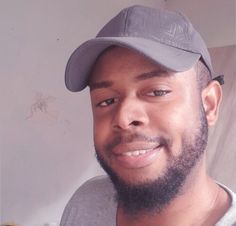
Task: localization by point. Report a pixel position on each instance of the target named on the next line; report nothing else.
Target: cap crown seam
(126, 19)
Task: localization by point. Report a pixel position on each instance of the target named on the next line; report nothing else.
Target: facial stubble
(153, 196)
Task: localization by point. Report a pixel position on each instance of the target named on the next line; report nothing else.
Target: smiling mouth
(137, 152)
(137, 158)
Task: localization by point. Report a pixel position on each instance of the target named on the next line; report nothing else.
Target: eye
(160, 92)
(107, 102)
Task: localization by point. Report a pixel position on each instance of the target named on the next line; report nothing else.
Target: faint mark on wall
(44, 111)
(42, 104)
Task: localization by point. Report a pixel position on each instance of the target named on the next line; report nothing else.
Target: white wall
(46, 131)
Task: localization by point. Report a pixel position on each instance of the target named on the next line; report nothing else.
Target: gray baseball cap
(168, 38)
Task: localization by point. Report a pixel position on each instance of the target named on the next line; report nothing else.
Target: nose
(129, 114)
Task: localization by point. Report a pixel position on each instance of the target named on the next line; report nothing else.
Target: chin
(137, 176)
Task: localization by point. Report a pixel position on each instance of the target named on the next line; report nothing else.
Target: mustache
(137, 137)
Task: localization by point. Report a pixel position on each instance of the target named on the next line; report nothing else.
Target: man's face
(147, 121)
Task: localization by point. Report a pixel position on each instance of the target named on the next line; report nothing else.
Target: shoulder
(95, 188)
(230, 216)
(92, 204)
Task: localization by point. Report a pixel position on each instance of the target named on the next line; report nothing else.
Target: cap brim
(83, 58)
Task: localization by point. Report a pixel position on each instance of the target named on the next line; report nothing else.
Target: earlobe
(211, 99)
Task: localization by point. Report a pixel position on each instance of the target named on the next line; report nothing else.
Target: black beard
(153, 196)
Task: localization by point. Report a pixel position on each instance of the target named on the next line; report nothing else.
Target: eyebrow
(141, 77)
(100, 85)
(151, 74)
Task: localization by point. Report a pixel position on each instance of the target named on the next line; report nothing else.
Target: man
(153, 98)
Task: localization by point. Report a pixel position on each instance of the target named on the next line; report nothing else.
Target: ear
(211, 99)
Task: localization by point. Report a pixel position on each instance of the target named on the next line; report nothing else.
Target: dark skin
(129, 94)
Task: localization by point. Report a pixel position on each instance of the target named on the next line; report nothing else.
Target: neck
(200, 202)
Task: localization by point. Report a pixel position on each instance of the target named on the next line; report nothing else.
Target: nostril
(135, 123)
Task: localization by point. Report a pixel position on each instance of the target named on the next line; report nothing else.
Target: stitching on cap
(126, 19)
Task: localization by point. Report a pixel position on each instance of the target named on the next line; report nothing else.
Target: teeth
(142, 152)
(136, 153)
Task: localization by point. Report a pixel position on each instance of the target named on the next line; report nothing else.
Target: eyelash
(159, 92)
(107, 102)
(110, 101)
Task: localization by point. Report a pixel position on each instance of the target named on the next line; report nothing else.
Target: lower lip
(139, 161)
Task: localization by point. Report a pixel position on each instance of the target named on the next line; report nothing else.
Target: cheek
(170, 117)
(101, 131)
(175, 122)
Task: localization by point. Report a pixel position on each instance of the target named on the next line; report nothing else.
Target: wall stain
(41, 104)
